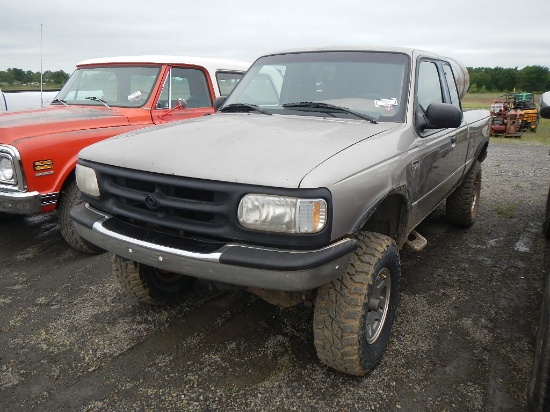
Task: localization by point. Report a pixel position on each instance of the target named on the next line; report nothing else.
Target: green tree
(481, 77)
(533, 78)
(504, 78)
(6, 77)
(59, 77)
(17, 74)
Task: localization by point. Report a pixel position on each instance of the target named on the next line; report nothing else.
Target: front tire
(8, 217)
(462, 204)
(147, 284)
(354, 313)
(70, 197)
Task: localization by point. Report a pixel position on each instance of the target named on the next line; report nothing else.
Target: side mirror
(182, 103)
(218, 102)
(442, 116)
(545, 105)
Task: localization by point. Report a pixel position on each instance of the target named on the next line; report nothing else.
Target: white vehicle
(3, 105)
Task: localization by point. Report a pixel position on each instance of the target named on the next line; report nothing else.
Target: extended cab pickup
(103, 97)
(303, 187)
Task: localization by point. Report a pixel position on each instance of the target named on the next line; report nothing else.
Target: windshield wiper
(243, 107)
(319, 105)
(59, 101)
(97, 99)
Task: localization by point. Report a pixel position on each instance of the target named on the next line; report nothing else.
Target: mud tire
(344, 307)
(463, 203)
(546, 224)
(9, 217)
(538, 395)
(70, 197)
(147, 284)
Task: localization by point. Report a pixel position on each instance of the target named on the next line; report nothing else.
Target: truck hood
(56, 119)
(253, 149)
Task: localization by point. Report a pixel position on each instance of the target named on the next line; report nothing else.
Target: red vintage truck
(103, 98)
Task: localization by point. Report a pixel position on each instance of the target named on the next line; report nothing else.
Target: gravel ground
(463, 340)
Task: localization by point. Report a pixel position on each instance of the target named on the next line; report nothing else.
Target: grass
(483, 101)
(505, 210)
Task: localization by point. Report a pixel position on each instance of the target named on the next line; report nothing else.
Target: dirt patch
(463, 340)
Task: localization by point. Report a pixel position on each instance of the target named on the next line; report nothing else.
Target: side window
(188, 84)
(227, 81)
(429, 86)
(453, 91)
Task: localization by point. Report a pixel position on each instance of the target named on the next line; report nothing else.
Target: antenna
(41, 98)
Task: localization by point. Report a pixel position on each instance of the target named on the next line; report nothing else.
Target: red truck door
(187, 85)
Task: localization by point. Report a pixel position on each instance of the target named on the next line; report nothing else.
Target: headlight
(86, 180)
(282, 214)
(7, 174)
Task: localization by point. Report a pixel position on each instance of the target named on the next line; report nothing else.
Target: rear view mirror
(442, 116)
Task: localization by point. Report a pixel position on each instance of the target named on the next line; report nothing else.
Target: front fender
(388, 215)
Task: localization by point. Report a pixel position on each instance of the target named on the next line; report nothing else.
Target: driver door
(183, 85)
(439, 166)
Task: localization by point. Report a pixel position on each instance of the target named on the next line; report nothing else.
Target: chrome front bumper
(232, 263)
(21, 203)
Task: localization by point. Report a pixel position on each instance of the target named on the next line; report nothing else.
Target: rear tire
(462, 204)
(70, 197)
(147, 284)
(546, 224)
(354, 313)
(538, 396)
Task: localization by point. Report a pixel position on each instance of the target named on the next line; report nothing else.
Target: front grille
(190, 208)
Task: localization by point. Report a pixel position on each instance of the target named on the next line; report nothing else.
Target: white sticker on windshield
(135, 97)
(387, 103)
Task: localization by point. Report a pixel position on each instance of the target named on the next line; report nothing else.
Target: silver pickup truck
(302, 188)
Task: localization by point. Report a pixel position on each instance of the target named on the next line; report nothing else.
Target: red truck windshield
(127, 86)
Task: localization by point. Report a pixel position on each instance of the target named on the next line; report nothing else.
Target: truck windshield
(374, 84)
(127, 86)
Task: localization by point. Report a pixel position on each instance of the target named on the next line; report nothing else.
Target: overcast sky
(479, 33)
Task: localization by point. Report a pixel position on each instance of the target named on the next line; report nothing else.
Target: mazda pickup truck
(103, 97)
(302, 188)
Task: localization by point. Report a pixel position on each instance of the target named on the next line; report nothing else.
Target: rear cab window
(227, 80)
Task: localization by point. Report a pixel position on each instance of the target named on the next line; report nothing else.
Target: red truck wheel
(70, 197)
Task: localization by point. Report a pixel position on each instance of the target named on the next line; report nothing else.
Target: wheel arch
(68, 177)
(482, 152)
(388, 216)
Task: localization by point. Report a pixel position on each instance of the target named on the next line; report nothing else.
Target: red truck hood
(56, 119)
